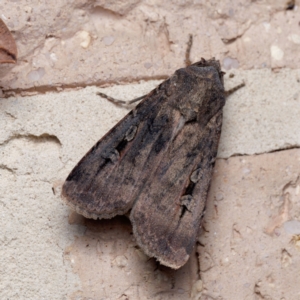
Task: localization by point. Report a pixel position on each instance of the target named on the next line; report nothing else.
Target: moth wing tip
(70, 202)
(162, 259)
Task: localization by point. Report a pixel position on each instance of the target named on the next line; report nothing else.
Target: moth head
(210, 63)
(197, 91)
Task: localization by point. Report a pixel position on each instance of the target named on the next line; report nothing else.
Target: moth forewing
(157, 162)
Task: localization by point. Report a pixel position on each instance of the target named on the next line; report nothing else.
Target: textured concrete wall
(50, 116)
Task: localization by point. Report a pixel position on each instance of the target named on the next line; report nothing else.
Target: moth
(157, 164)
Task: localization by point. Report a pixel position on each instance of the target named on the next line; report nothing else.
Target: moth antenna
(127, 104)
(121, 103)
(188, 51)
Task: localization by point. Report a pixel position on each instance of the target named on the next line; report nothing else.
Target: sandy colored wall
(50, 116)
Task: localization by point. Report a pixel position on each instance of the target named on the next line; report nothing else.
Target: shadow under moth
(157, 163)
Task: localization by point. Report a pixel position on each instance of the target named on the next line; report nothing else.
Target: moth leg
(234, 89)
(121, 102)
(188, 51)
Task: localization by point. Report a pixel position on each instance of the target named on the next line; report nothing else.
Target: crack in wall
(281, 149)
(43, 138)
(43, 89)
(5, 167)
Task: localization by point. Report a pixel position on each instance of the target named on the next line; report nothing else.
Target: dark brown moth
(157, 162)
